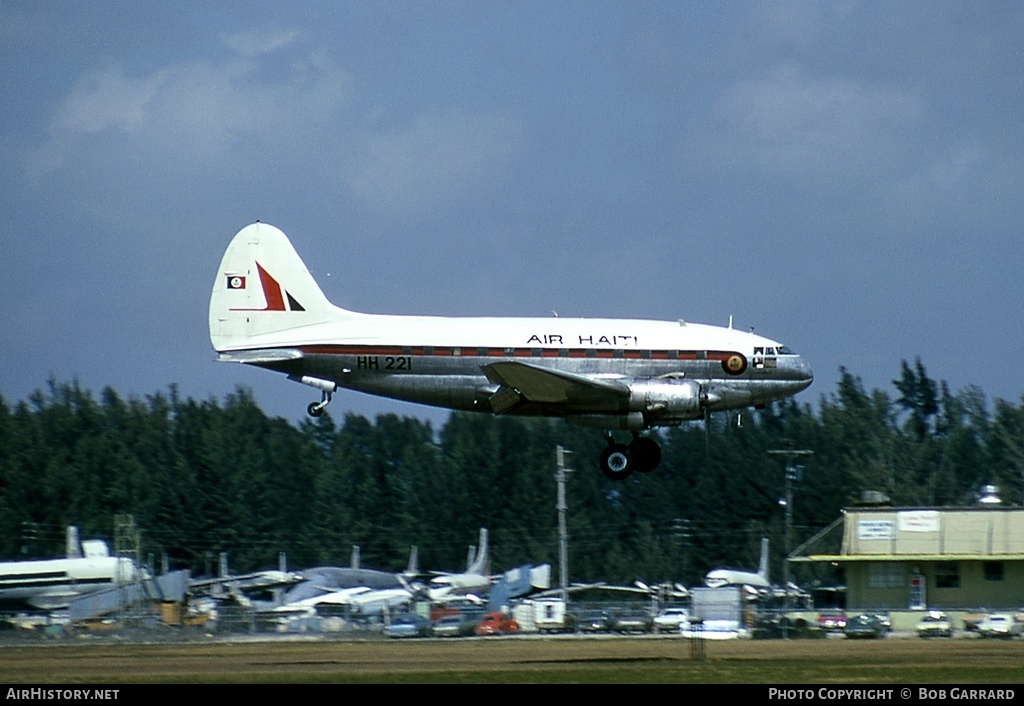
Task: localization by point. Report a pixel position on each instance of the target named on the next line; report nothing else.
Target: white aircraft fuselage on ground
(266, 310)
(733, 577)
(52, 584)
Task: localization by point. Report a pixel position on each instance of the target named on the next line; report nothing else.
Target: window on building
(993, 571)
(947, 575)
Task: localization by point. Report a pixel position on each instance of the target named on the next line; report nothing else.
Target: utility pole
(792, 471)
(563, 535)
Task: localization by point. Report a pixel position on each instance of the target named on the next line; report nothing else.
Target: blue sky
(846, 177)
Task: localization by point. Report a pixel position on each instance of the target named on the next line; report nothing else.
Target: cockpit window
(785, 350)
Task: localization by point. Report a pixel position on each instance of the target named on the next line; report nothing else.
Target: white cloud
(194, 111)
(789, 124)
(432, 161)
(200, 121)
(107, 99)
(263, 41)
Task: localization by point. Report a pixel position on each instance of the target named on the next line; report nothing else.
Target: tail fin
(263, 288)
(413, 568)
(478, 564)
(762, 568)
(73, 549)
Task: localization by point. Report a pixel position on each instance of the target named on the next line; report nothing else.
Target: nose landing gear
(618, 461)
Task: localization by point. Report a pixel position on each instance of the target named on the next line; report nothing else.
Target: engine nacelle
(667, 399)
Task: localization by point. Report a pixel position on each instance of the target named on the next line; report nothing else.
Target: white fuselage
(51, 584)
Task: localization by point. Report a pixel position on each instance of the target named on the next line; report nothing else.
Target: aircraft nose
(802, 372)
(796, 372)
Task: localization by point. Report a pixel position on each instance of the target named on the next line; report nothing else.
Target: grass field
(519, 660)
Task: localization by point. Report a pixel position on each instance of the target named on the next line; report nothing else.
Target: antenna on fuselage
(730, 321)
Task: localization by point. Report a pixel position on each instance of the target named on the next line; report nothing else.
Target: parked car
(832, 620)
(632, 621)
(972, 621)
(935, 624)
(671, 620)
(1000, 625)
(496, 624)
(865, 625)
(594, 621)
(455, 625)
(408, 625)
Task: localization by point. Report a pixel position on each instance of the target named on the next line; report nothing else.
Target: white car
(671, 620)
(1000, 625)
(935, 624)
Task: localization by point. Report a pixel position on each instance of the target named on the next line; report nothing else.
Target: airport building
(913, 559)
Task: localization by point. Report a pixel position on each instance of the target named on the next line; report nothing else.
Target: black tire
(645, 454)
(615, 462)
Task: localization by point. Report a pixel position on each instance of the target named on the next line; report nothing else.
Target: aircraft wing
(522, 382)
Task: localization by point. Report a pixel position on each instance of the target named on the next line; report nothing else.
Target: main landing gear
(618, 461)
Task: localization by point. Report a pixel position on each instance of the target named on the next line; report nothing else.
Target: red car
(832, 620)
(496, 624)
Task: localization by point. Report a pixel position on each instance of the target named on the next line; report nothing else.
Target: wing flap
(521, 382)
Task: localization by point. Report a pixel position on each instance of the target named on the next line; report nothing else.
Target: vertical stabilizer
(72, 549)
(479, 561)
(413, 569)
(762, 568)
(263, 288)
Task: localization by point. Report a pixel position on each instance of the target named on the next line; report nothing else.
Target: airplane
(325, 580)
(52, 584)
(266, 310)
(368, 591)
(238, 587)
(730, 577)
(474, 579)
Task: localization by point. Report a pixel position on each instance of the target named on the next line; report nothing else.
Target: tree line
(205, 477)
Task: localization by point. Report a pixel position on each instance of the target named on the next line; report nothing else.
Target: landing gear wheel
(645, 454)
(615, 462)
(315, 409)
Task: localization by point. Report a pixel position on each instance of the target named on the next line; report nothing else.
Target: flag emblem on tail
(278, 299)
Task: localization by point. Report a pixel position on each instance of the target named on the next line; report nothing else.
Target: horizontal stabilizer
(261, 356)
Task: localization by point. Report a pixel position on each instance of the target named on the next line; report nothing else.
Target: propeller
(707, 431)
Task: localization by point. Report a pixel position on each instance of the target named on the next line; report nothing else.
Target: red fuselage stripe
(475, 352)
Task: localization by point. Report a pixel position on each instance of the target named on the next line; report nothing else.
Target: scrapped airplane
(475, 579)
(266, 310)
(732, 577)
(53, 584)
(325, 580)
